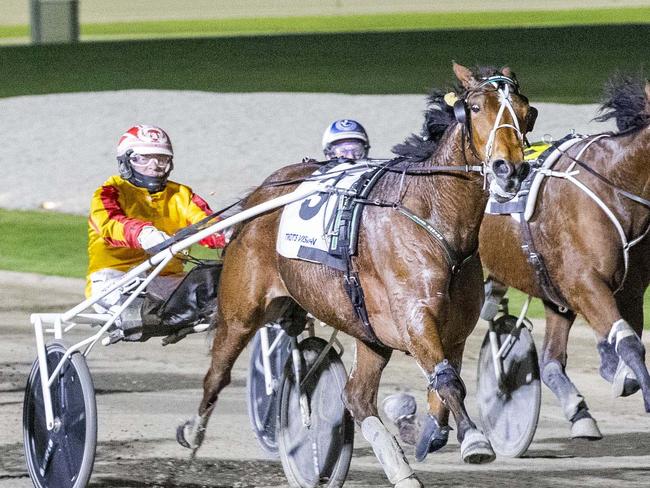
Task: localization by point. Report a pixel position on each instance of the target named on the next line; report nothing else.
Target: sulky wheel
(262, 407)
(509, 410)
(318, 455)
(64, 456)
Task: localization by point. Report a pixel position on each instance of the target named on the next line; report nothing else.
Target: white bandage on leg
(620, 330)
(388, 451)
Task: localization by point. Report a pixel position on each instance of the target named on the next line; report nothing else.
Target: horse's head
(495, 118)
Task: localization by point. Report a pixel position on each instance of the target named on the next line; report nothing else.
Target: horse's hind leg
(630, 303)
(229, 341)
(553, 364)
(242, 306)
(599, 307)
(360, 397)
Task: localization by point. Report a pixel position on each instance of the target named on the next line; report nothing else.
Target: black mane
(438, 117)
(624, 100)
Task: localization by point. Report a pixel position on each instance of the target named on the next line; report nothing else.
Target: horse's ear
(464, 75)
(506, 71)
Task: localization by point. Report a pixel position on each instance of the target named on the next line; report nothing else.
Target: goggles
(151, 164)
(348, 149)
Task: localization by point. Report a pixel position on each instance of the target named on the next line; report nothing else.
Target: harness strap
(636, 198)
(347, 230)
(571, 177)
(537, 262)
(453, 259)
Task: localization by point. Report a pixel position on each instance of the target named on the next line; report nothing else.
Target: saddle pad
(308, 226)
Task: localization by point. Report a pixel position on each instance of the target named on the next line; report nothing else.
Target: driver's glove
(150, 237)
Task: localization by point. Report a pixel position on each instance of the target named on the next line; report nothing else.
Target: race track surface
(145, 390)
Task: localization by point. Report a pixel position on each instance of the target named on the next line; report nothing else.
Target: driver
(135, 211)
(345, 138)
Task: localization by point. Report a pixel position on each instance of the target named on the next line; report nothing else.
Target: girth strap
(537, 262)
(454, 261)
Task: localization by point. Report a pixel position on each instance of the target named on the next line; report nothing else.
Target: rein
(385, 165)
(372, 163)
(632, 196)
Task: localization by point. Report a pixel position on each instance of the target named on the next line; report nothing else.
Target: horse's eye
(475, 108)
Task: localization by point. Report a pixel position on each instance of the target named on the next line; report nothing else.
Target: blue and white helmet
(343, 131)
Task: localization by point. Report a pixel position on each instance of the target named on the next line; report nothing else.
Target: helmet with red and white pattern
(134, 165)
(145, 139)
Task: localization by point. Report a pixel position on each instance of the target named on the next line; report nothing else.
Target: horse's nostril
(523, 171)
(502, 168)
(513, 186)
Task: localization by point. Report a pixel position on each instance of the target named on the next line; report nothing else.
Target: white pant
(161, 287)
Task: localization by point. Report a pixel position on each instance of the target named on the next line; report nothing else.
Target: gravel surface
(145, 390)
(59, 148)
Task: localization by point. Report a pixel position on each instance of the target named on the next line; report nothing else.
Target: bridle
(504, 86)
(505, 102)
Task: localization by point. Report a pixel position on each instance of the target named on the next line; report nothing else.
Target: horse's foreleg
(553, 364)
(441, 366)
(229, 341)
(360, 398)
(446, 383)
(600, 309)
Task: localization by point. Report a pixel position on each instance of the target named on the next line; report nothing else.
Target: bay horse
(595, 267)
(417, 302)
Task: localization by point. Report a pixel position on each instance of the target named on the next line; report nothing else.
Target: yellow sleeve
(110, 221)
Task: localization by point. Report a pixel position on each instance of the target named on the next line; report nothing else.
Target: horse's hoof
(624, 382)
(476, 448)
(180, 434)
(630, 387)
(399, 405)
(586, 428)
(410, 482)
(190, 434)
(432, 438)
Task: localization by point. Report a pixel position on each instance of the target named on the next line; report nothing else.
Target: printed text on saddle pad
(308, 228)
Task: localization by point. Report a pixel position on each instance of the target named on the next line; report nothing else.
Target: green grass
(53, 243)
(352, 23)
(564, 64)
(43, 242)
(368, 23)
(14, 31)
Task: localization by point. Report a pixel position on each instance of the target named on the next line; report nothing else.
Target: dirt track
(144, 390)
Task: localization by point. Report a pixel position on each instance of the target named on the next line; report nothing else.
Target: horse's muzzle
(507, 178)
